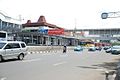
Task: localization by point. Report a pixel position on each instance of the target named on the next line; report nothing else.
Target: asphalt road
(57, 66)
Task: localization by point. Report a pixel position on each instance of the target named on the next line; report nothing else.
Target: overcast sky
(64, 13)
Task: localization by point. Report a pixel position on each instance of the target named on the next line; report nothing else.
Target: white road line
(60, 63)
(4, 78)
(65, 55)
(31, 60)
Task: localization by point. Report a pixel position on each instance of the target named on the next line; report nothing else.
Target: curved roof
(41, 22)
(6, 18)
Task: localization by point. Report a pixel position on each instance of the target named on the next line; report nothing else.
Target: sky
(68, 14)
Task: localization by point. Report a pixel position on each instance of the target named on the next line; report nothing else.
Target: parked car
(78, 48)
(108, 50)
(12, 49)
(115, 50)
(106, 47)
(99, 48)
(92, 48)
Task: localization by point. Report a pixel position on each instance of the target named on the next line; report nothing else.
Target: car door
(23, 48)
(8, 51)
(16, 49)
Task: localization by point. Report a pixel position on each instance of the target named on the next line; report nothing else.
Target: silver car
(12, 49)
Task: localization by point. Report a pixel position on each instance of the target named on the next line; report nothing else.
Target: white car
(92, 48)
(12, 49)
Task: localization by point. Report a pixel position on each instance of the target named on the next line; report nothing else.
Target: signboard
(44, 31)
(104, 15)
(55, 31)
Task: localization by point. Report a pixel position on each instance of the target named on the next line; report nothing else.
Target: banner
(55, 31)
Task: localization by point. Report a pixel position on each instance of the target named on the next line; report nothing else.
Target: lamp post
(74, 28)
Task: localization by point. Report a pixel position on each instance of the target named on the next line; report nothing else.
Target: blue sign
(44, 31)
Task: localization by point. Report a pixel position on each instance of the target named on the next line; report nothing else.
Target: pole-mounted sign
(104, 15)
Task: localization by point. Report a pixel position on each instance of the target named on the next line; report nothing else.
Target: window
(3, 35)
(23, 45)
(8, 46)
(12, 45)
(15, 45)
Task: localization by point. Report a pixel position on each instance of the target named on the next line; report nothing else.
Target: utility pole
(74, 28)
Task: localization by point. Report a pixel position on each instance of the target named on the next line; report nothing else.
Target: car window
(23, 45)
(116, 47)
(12, 45)
(15, 45)
(8, 46)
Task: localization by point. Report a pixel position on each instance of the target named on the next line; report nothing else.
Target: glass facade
(9, 27)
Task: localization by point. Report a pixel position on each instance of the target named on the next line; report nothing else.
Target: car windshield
(2, 45)
(116, 47)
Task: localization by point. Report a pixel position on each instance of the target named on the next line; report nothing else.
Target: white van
(12, 49)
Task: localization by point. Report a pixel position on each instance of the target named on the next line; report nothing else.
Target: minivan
(12, 49)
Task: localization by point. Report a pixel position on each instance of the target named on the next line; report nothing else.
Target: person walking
(64, 49)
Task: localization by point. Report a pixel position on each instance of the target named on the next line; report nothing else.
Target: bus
(3, 36)
(87, 43)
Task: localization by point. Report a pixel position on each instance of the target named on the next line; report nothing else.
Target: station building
(44, 33)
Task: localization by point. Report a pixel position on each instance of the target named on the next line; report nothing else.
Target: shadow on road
(87, 67)
(9, 60)
(105, 65)
(109, 65)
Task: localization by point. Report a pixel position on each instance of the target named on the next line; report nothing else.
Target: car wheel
(21, 56)
(1, 58)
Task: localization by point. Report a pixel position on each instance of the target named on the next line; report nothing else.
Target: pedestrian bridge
(100, 34)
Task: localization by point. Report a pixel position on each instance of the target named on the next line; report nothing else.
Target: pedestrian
(64, 48)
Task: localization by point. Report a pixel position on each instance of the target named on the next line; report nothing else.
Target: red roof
(41, 22)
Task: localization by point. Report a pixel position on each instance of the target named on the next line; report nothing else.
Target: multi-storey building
(9, 24)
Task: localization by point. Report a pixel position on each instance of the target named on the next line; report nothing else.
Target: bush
(115, 43)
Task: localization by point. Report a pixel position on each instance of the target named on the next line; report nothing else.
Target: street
(58, 66)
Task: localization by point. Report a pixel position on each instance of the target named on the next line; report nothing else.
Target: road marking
(4, 78)
(60, 63)
(31, 60)
(64, 55)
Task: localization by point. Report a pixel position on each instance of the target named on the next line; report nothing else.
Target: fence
(45, 49)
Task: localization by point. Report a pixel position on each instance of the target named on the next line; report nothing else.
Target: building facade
(10, 25)
(43, 33)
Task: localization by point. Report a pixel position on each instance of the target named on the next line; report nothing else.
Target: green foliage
(115, 43)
